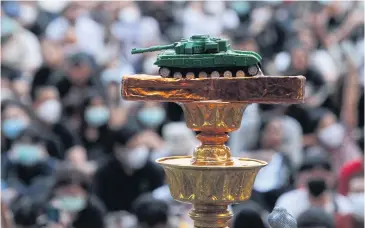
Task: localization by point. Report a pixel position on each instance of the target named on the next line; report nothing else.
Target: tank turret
(204, 56)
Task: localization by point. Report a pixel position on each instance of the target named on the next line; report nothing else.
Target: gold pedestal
(212, 179)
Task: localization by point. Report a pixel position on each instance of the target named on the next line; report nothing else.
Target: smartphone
(53, 214)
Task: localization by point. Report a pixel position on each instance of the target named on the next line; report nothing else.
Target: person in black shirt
(128, 173)
(94, 130)
(27, 167)
(315, 91)
(73, 85)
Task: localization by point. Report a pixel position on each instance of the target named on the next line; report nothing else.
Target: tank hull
(224, 59)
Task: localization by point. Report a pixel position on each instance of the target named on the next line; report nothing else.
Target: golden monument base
(211, 179)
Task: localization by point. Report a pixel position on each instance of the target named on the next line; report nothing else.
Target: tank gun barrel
(153, 48)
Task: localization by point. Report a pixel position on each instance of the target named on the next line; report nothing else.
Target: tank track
(214, 72)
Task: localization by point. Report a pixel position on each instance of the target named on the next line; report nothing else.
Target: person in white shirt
(77, 31)
(20, 49)
(314, 189)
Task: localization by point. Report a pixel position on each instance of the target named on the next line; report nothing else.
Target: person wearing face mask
(128, 173)
(111, 80)
(27, 167)
(71, 203)
(19, 47)
(25, 212)
(133, 29)
(151, 116)
(332, 138)
(315, 183)
(77, 30)
(14, 120)
(28, 14)
(94, 130)
(48, 109)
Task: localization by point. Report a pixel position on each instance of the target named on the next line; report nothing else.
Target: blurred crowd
(75, 154)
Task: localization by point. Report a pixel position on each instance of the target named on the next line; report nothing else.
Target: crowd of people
(75, 154)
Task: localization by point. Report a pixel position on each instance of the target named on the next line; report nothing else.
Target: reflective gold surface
(214, 120)
(200, 184)
(258, 89)
(211, 179)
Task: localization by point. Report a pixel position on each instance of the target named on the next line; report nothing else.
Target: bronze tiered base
(211, 179)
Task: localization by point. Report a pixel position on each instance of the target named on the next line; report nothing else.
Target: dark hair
(315, 217)
(312, 161)
(8, 103)
(25, 211)
(80, 58)
(33, 134)
(10, 73)
(249, 218)
(124, 134)
(67, 175)
(150, 211)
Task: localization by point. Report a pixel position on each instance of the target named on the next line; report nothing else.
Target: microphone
(280, 218)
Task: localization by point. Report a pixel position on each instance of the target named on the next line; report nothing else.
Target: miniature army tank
(203, 56)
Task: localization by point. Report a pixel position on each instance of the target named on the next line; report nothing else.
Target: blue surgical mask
(26, 154)
(71, 203)
(97, 116)
(241, 8)
(152, 117)
(13, 127)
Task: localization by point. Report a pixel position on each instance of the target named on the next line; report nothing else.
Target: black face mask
(316, 186)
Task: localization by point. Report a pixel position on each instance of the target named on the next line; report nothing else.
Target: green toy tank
(203, 56)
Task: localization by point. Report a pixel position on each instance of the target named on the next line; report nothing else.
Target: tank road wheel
(227, 74)
(177, 75)
(164, 72)
(240, 74)
(203, 74)
(253, 70)
(214, 74)
(190, 75)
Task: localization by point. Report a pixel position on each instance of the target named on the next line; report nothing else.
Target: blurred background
(74, 154)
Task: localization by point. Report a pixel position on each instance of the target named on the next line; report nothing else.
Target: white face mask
(52, 6)
(332, 136)
(50, 111)
(28, 14)
(130, 14)
(135, 159)
(357, 200)
(215, 7)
